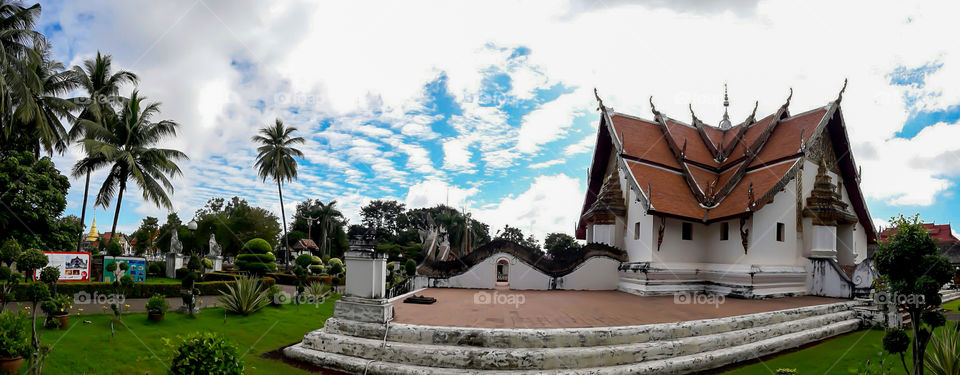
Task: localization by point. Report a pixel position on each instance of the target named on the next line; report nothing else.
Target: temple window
(636, 230)
(780, 229)
(686, 231)
(724, 231)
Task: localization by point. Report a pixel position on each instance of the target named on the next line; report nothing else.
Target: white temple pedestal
(217, 263)
(175, 262)
(365, 289)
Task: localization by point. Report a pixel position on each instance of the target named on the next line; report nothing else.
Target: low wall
(594, 273)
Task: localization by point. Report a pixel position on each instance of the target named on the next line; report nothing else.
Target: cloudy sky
(489, 106)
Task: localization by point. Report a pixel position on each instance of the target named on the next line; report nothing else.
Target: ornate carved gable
(609, 203)
(824, 204)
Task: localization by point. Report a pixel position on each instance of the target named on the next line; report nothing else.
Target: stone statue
(214, 246)
(175, 246)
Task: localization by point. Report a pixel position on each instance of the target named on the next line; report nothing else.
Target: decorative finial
(842, 89)
(725, 123)
(726, 99)
(599, 101)
(653, 107)
(753, 114)
(787, 104)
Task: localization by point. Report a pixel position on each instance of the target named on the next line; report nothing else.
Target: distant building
(949, 243)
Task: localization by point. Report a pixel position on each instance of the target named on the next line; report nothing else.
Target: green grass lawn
(139, 347)
(162, 280)
(952, 306)
(843, 354)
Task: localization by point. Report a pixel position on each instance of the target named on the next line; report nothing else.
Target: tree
(382, 216)
(38, 107)
(165, 232)
(145, 234)
(276, 159)
(327, 229)
(910, 262)
(16, 38)
(10, 251)
(127, 146)
(234, 223)
(64, 233)
(31, 260)
(558, 243)
(34, 195)
(102, 86)
(512, 234)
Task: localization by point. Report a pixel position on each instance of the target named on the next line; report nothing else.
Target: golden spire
(725, 123)
(93, 235)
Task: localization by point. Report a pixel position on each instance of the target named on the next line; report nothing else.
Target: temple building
(770, 206)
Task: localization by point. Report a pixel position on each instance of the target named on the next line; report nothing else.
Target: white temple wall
(639, 244)
(720, 251)
(764, 249)
(676, 251)
(597, 273)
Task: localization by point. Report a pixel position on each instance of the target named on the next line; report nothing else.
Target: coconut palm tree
(38, 103)
(329, 218)
(16, 52)
(126, 143)
(275, 159)
(102, 85)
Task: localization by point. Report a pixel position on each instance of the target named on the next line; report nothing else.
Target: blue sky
(490, 106)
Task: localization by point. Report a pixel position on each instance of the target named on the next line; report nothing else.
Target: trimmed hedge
(256, 246)
(220, 276)
(288, 279)
(257, 258)
(138, 290)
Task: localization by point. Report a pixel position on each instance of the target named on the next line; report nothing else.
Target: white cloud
(429, 193)
(539, 209)
(551, 121)
(545, 164)
(584, 145)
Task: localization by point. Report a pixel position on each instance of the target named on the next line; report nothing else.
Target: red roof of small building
(940, 232)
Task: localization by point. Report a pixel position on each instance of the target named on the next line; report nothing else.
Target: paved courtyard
(568, 308)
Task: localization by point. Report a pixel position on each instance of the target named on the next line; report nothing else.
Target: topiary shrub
(206, 353)
(10, 251)
(316, 269)
(181, 273)
(256, 246)
(411, 267)
(316, 260)
(155, 269)
(304, 260)
(114, 249)
(31, 260)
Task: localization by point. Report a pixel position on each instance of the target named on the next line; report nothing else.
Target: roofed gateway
(768, 206)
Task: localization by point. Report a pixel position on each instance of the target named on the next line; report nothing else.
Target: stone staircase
(671, 348)
(949, 295)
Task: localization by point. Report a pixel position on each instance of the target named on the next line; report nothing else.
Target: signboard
(137, 270)
(73, 266)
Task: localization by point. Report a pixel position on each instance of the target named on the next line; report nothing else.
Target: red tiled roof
(940, 232)
(680, 180)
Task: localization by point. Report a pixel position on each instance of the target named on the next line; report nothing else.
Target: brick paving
(569, 308)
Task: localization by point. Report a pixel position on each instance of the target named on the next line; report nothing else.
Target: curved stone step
(677, 365)
(467, 357)
(572, 337)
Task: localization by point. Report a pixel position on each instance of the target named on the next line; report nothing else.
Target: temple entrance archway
(503, 272)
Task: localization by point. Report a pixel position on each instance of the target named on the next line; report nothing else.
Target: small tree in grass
(8, 281)
(10, 251)
(910, 262)
(38, 293)
(29, 261)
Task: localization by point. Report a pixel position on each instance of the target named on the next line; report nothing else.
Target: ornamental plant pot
(64, 320)
(155, 317)
(10, 365)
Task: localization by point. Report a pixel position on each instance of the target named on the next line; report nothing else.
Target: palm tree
(16, 52)
(329, 217)
(36, 95)
(126, 143)
(275, 160)
(102, 87)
